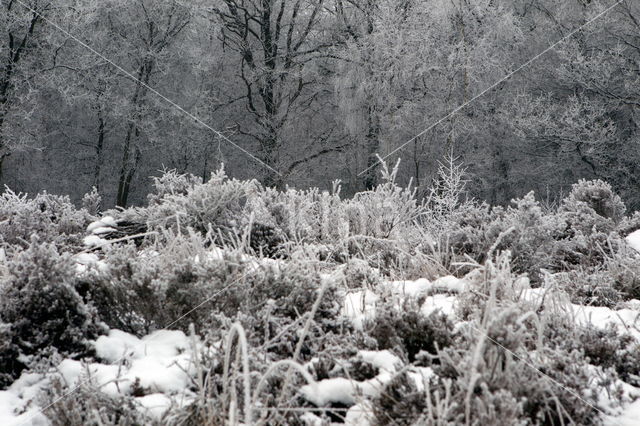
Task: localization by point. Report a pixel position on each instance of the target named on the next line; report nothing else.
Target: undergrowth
(261, 276)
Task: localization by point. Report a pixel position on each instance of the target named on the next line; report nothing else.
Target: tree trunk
(127, 170)
(99, 150)
(370, 179)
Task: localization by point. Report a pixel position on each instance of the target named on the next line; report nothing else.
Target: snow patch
(325, 392)
(106, 222)
(439, 302)
(360, 306)
(17, 402)
(382, 360)
(633, 239)
(94, 241)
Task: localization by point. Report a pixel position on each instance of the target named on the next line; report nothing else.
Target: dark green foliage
(41, 308)
(265, 240)
(400, 402)
(410, 331)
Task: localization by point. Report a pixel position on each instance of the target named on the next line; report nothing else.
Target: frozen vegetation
(224, 302)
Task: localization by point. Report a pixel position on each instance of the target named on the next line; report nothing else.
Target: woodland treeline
(315, 89)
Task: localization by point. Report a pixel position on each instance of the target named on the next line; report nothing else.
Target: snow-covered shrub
(591, 288)
(52, 218)
(181, 203)
(603, 347)
(598, 196)
(401, 403)
(494, 280)
(125, 292)
(485, 374)
(172, 183)
(386, 212)
(89, 406)
(92, 202)
(310, 216)
(623, 268)
(356, 273)
(522, 228)
(42, 309)
(408, 332)
(446, 193)
(590, 213)
(10, 366)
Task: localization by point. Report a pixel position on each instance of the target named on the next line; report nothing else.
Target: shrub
(54, 219)
(597, 288)
(407, 330)
(90, 406)
(125, 292)
(41, 307)
(400, 402)
(596, 195)
(182, 202)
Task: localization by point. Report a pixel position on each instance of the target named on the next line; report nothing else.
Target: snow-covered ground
(162, 362)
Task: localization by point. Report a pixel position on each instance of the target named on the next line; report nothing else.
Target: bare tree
(279, 46)
(18, 42)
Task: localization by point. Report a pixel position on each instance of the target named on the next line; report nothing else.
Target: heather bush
(90, 406)
(591, 288)
(39, 308)
(606, 348)
(125, 292)
(52, 218)
(596, 195)
(522, 228)
(386, 212)
(503, 376)
(181, 202)
(408, 332)
(309, 216)
(171, 183)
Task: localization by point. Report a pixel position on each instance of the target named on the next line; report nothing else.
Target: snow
(16, 403)
(155, 404)
(633, 239)
(423, 286)
(451, 284)
(85, 261)
(347, 392)
(625, 320)
(116, 345)
(106, 222)
(94, 241)
(420, 376)
(382, 360)
(359, 415)
(629, 417)
(439, 302)
(102, 230)
(161, 362)
(360, 306)
(325, 392)
(163, 351)
(409, 288)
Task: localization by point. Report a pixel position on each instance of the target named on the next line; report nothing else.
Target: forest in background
(315, 89)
